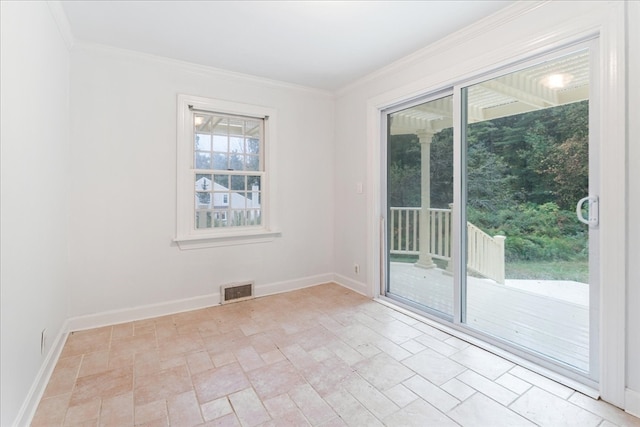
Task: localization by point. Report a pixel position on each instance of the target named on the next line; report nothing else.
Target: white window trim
(187, 236)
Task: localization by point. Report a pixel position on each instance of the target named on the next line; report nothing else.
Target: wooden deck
(554, 323)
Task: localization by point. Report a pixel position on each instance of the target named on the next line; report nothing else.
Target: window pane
(252, 163)
(253, 181)
(238, 182)
(236, 144)
(203, 160)
(253, 146)
(203, 142)
(236, 127)
(203, 200)
(222, 180)
(220, 199)
(220, 143)
(203, 182)
(238, 200)
(202, 123)
(236, 162)
(220, 161)
(252, 128)
(203, 219)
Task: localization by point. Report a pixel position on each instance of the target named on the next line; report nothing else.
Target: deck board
(553, 326)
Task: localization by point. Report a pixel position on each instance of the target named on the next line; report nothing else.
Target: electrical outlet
(356, 268)
(43, 341)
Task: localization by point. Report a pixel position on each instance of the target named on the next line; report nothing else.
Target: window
(223, 173)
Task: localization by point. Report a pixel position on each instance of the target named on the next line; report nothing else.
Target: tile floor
(322, 356)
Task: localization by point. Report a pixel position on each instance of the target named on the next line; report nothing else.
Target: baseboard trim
(632, 402)
(292, 285)
(178, 306)
(354, 285)
(31, 402)
(142, 312)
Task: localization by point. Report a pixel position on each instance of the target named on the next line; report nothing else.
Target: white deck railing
(485, 254)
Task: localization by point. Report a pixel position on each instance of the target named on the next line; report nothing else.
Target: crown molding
(199, 69)
(449, 42)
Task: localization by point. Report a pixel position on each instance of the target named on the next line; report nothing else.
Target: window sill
(230, 239)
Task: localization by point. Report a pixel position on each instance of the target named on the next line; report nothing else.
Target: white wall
(123, 172)
(34, 194)
(471, 51)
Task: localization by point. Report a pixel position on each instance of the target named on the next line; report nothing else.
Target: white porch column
(424, 259)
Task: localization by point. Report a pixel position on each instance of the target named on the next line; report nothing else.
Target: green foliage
(524, 175)
(535, 232)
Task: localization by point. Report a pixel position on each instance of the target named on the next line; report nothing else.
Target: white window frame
(187, 235)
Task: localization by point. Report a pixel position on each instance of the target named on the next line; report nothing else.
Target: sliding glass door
(419, 200)
(492, 209)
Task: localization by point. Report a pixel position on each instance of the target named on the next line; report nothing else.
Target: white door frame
(608, 24)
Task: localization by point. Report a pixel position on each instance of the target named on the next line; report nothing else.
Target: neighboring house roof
(234, 200)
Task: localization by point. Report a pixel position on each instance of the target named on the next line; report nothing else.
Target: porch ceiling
(558, 82)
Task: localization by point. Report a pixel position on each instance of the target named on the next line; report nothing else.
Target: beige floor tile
(248, 407)
(199, 362)
(382, 371)
(440, 399)
(419, 414)
(399, 332)
(541, 382)
(479, 410)
(400, 395)
(122, 330)
(413, 346)
(457, 389)
(434, 366)
(487, 387)
(248, 358)
(351, 411)
(150, 412)
(327, 376)
(514, 384)
(216, 409)
(86, 411)
(218, 382)
(94, 363)
(321, 356)
(371, 398)
(437, 345)
(64, 376)
(184, 410)
(89, 341)
(483, 362)
(226, 421)
(117, 411)
(280, 405)
(273, 356)
(51, 411)
(103, 385)
(311, 404)
(273, 380)
(546, 409)
(394, 350)
(161, 385)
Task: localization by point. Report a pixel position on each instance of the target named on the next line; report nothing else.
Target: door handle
(593, 219)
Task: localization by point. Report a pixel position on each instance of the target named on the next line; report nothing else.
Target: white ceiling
(320, 44)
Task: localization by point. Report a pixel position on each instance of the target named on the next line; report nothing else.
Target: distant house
(211, 195)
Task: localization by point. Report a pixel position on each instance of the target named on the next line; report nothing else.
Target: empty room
(320, 213)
